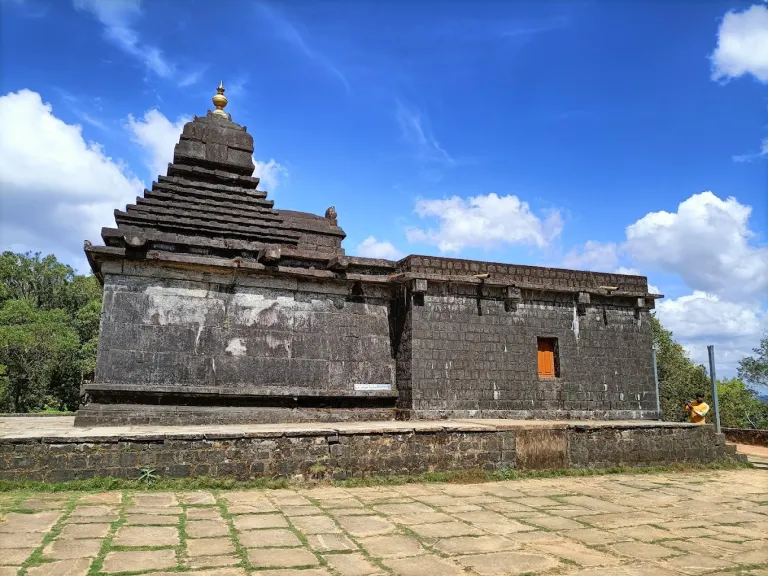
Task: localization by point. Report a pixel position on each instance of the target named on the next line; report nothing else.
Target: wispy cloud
(754, 155)
(26, 8)
(77, 107)
(486, 30)
(191, 78)
(95, 122)
(531, 28)
(118, 18)
(415, 131)
(288, 32)
(237, 86)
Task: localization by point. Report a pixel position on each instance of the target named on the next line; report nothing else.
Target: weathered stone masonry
(470, 349)
(219, 308)
(346, 453)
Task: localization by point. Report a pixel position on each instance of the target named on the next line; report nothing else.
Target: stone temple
(219, 308)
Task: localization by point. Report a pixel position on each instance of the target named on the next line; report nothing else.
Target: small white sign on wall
(372, 387)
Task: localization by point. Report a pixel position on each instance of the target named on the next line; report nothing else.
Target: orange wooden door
(546, 358)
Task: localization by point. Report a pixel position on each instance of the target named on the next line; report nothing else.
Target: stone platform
(53, 449)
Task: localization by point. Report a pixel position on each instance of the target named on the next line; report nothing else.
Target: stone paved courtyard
(634, 525)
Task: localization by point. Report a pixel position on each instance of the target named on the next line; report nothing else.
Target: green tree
(679, 378)
(49, 325)
(739, 406)
(44, 281)
(754, 369)
(37, 348)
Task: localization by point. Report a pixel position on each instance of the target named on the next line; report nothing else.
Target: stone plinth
(54, 450)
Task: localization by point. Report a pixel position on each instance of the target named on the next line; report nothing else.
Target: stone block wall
(746, 436)
(365, 452)
(596, 448)
(195, 336)
(196, 332)
(467, 352)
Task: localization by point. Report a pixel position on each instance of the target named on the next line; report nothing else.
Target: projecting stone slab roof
(209, 202)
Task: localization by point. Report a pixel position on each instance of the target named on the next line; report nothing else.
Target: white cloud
(625, 270)
(372, 248)
(700, 319)
(594, 256)
(707, 242)
(742, 45)
(57, 189)
(483, 222)
(157, 136)
(271, 174)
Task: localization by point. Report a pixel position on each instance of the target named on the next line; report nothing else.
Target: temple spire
(220, 101)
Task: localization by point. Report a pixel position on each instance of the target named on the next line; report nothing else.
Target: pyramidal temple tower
(219, 308)
(208, 203)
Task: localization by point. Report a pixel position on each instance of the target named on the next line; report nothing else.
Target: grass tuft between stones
(36, 558)
(106, 545)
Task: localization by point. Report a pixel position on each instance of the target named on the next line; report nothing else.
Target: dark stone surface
(356, 454)
(466, 355)
(746, 436)
(213, 298)
(179, 337)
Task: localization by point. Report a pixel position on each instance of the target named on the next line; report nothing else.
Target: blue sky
(579, 134)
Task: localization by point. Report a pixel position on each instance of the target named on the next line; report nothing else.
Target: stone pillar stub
(419, 285)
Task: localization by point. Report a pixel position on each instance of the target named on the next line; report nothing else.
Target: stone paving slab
(713, 523)
(62, 429)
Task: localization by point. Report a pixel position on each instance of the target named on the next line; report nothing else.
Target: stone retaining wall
(746, 436)
(356, 452)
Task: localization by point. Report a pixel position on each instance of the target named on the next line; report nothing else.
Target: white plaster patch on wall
(255, 309)
(166, 309)
(575, 323)
(236, 347)
(177, 291)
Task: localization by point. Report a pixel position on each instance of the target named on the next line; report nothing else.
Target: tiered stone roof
(209, 203)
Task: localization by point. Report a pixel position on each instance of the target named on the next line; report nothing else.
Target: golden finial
(220, 101)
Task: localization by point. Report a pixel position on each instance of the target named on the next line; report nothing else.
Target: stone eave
(98, 254)
(405, 277)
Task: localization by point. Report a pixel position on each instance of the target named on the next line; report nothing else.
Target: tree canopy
(49, 326)
(680, 379)
(754, 369)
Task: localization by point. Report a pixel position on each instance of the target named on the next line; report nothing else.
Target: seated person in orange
(697, 409)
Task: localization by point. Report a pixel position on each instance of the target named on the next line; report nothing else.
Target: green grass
(454, 477)
(36, 558)
(106, 543)
(477, 476)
